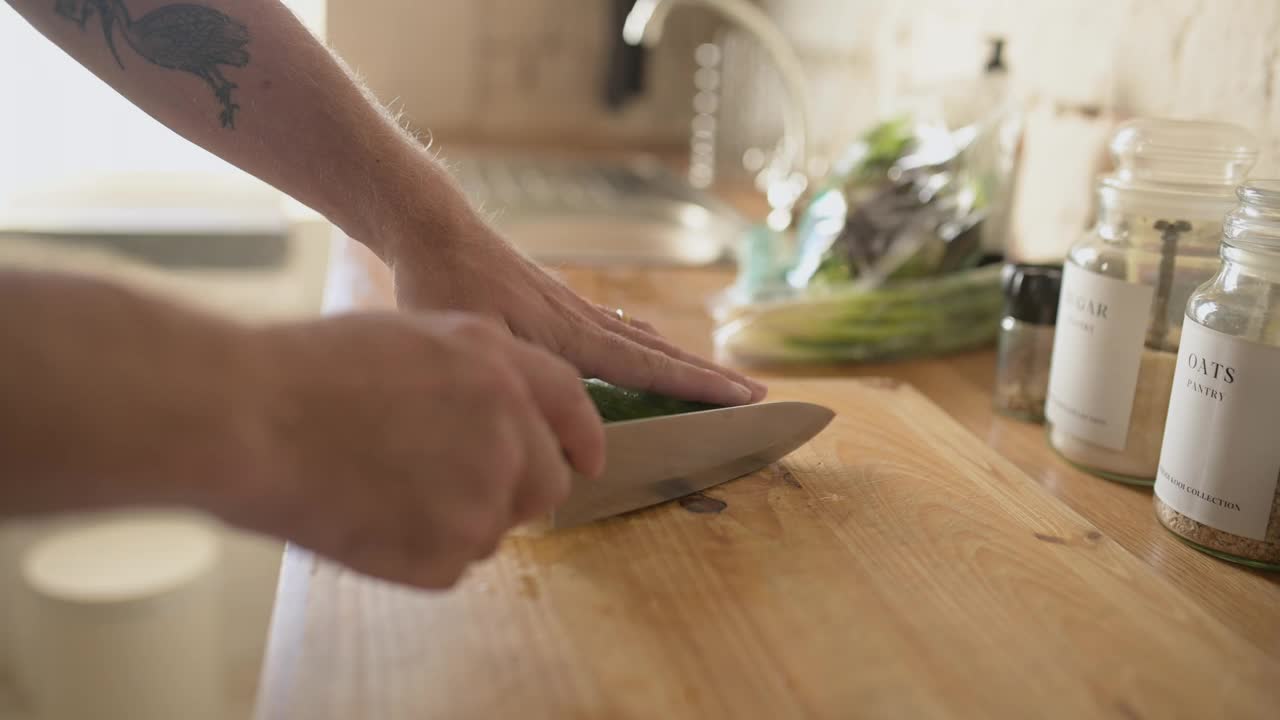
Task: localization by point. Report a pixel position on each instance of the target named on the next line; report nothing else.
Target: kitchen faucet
(787, 178)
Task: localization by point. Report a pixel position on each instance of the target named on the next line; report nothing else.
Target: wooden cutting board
(894, 567)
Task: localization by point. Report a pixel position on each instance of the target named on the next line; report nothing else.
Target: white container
(121, 622)
(16, 536)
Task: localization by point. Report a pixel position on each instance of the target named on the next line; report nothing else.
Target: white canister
(122, 621)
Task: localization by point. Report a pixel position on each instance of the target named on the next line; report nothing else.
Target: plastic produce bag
(902, 205)
(890, 256)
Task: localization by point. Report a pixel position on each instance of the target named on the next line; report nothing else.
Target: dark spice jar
(1026, 339)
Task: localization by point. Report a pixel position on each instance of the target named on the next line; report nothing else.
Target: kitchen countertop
(1244, 604)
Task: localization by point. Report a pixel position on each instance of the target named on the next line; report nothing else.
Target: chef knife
(653, 460)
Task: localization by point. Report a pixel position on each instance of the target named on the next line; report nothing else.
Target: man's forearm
(245, 80)
(110, 398)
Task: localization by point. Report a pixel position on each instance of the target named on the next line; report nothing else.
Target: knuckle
(477, 329)
(492, 386)
(553, 488)
(505, 382)
(575, 342)
(503, 463)
(507, 454)
(655, 365)
(561, 487)
(559, 377)
(563, 370)
(617, 348)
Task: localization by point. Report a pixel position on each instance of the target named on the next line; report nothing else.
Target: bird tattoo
(183, 36)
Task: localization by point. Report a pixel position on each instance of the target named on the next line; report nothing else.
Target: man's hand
(472, 268)
(402, 445)
(406, 447)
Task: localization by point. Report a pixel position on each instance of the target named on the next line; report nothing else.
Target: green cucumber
(615, 403)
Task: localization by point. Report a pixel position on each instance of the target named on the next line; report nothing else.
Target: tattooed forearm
(183, 36)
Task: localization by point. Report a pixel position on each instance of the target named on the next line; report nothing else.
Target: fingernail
(743, 393)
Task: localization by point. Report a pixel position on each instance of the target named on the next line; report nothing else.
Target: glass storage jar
(1220, 463)
(1125, 287)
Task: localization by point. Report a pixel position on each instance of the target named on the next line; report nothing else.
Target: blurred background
(545, 111)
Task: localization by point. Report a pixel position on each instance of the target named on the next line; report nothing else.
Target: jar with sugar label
(1220, 462)
(1125, 287)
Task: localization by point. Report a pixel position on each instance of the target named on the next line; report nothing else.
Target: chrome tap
(786, 177)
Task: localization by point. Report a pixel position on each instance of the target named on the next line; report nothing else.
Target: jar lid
(1161, 151)
(1260, 195)
(1031, 292)
(1255, 222)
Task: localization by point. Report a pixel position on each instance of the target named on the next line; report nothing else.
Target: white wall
(1080, 66)
(60, 121)
(514, 70)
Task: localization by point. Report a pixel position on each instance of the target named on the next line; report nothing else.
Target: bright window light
(69, 142)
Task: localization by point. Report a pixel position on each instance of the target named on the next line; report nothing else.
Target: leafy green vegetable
(615, 403)
(884, 144)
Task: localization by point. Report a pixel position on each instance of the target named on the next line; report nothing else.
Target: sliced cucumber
(615, 403)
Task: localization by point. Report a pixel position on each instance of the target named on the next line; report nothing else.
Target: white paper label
(1221, 455)
(1097, 351)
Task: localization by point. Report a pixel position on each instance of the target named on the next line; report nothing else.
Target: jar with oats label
(1220, 464)
(1125, 288)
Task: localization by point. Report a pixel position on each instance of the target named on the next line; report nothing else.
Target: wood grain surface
(920, 558)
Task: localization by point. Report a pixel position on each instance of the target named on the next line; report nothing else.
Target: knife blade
(654, 460)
